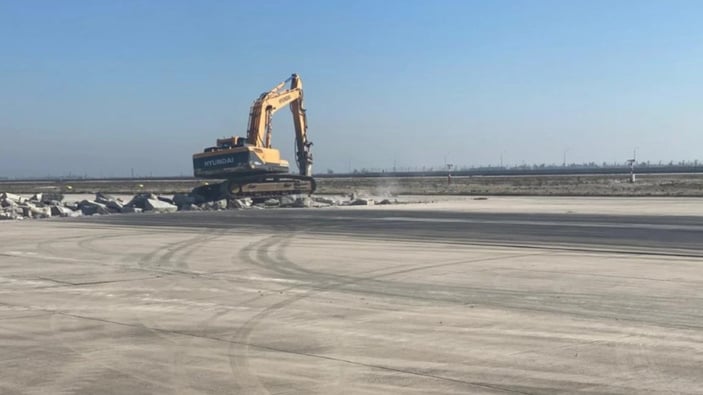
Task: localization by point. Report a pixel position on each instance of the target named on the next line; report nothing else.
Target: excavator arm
(259, 132)
(303, 155)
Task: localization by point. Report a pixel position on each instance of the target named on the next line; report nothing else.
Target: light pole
(631, 162)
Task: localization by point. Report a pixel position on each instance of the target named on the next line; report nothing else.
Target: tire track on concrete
(641, 357)
(49, 246)
(175, 261)
(275, 259)
(170, 259)
(238, 348)
(633, 359)
(240, 341)
(601, 306)
(176, 257)
(305, 354)
(127, 257)
(87, 243)
(366, 284)
(74, 375)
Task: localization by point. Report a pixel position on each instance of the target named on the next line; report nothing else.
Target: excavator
(251, 167)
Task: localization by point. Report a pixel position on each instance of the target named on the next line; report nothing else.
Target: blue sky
(101, 87)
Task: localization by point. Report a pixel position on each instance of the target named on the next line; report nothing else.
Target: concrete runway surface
(354, 301)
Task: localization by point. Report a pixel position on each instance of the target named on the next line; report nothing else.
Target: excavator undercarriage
(258, 188)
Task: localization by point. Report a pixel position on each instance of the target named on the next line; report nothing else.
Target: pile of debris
(38, 206)
(45, 205)
(190, 202)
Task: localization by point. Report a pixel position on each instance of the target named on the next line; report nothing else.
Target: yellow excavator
(251, 167)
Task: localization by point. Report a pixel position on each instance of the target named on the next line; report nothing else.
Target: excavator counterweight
(250, 166)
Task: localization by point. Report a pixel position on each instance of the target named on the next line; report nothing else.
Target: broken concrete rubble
(165, 199)
(60, 211)
(303, 202)
(46, 197)
(104, 198)
(220, 204)
(114, 206)
(39, 212)
(272, 203)
(51, 204)
(324, 200)
(73, 206)
(52, 197)
(242, 203)
(184, 200)
(247, 201)
(91, 208)
(287, 201)
(140, 199)
(159, 206)
(362, 202)
(13, 198)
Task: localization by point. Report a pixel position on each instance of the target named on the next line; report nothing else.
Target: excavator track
(258, 188)
(270, 186)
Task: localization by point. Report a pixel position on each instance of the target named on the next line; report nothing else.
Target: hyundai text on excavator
(251, 167)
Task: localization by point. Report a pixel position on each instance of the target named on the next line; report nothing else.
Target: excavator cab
(230, 142)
